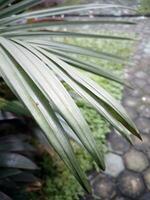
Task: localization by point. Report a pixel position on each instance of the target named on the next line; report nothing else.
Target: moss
(60, 184)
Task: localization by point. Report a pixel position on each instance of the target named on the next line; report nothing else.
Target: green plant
(17, 166)
(144, 7)
(59, 183)
(35, 68)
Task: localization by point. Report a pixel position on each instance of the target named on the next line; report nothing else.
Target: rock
(148, 153)
(135, 160)
(104, 187)
(137, 92)
(143, 124)
(141, 75)
(146, 99)
(146, 88)
(144, 111)
(130, 184)
(143, 145)
(114, 164)
(130, 102)
(139, 83)
(132, 112)
(118, 143)
(147, 178)
(147, 48)
(145, 196)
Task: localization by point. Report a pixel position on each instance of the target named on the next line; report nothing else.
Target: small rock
(143, 124)
(136, 160)
(144, 111)
(139, 83)
(118, 143)
(132, 112)
(147, 178)
(145, 196)
(141, 75)
(146, 99)
(143, 145)
(130, 184)
(104, 187)
(148, 153)
(114, 164)
(130, 102)
(146, 89)
(137, 92)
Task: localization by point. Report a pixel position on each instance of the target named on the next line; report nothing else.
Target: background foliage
(145, 7)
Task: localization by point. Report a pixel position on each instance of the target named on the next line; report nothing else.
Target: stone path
(127, 174)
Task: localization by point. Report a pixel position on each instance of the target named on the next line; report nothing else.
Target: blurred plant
(35, 69)
(145, 7)
(17, 167)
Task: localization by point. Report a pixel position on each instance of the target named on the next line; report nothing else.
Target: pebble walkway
(127, 175)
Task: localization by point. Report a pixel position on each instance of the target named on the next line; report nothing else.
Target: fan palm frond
(33, 66)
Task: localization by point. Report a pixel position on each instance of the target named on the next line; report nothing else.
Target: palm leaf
(47, 34)
(18, 7)
(57, 11)
(60, 23)
(74, 49)
(42, 113)
(32, 65)
(15, 160)
(84, 65)
(3, 196)
(103, 96)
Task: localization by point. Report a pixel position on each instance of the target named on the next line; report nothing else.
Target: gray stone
(130, 102)
(144, 111)
(147, 48)
(147, 178)
(146, 99)
(139, 83)
(130, 184)
(127, 75)
(118, 143)
(91, 174)
(132, 112)
(145, 196)
(114, 164)
(143, 124)
(143, 145)
(146, 88)
(148, 81)
(135, 160)
(141, 75)
(104, 187)
(148, 153)
(137, 92)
